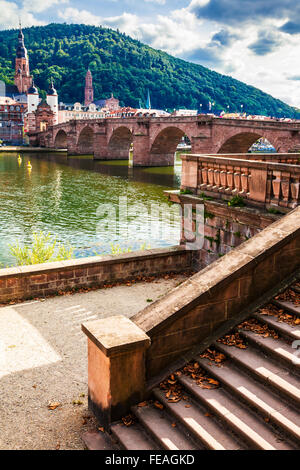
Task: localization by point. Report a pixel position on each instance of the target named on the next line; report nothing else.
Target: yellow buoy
(29, 166)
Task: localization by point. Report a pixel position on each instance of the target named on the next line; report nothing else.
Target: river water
(86, 204)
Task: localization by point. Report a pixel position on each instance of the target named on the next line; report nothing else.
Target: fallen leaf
(53, 406)
(141, 405)
(159, 405)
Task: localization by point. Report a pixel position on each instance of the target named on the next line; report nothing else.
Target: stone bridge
(155, 140)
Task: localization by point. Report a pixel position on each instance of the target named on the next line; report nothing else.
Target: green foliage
(128, 68)
(236, 201)
(186, 191)
(205, 198)
(208, 215)
(44, 249)
(272, 210)
(116, 249)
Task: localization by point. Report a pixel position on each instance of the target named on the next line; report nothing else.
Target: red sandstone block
(180, 340)
(12, 282)
(66, 274)
(52, 277)
(210, 231)
(5, 291)
(245, 287)
(45, 285)
(38, 279)
(80, 273)
(217, 222)
(226, 238)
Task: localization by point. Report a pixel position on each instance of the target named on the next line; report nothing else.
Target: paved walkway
(43, 359)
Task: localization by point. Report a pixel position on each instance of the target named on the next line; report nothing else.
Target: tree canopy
(129, 69)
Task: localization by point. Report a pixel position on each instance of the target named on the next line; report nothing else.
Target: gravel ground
(43, 360)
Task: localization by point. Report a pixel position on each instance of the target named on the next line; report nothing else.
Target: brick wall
(196, 308)
(26, 282)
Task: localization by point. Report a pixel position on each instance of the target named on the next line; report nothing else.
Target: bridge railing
(288, 158)
(260, 183)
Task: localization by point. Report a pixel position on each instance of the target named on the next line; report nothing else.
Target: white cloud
(11, 13)
(38, 6)
(126, 22)
(159, 2)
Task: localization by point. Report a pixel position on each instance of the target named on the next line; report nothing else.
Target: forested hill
(127, 68)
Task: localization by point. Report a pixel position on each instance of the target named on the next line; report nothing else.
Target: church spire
(23, 80)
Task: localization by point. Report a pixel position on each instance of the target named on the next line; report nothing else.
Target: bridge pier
(141, 152)
(100, 146)
(72, 144)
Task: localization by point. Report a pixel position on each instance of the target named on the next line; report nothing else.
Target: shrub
(236, 201)
(44, 249)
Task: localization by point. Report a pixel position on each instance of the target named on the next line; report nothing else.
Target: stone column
(116, 367)
(100, 146)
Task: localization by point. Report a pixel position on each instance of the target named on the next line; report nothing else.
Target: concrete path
(43, 359)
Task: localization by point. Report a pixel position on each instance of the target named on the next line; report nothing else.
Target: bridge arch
(165, 144)
(120, 143)
(85, 143)
(242, 142)
(61, 140)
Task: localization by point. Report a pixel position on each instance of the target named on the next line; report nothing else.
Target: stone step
(238, 417)
(265, 370)
(277, 349)
(258, 397)
(288, 306)
(200, 423)
(95, 440)
(158, 424)
(284, 329)
(133, 437)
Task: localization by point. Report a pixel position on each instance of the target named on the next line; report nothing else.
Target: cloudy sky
(256, 41)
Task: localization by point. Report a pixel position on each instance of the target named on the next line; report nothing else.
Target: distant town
(22, 110)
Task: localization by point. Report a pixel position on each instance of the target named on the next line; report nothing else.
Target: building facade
(11, 122)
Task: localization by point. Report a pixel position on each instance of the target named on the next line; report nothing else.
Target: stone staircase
(241, 393)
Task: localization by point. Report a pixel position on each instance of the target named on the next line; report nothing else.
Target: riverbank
(31, 150)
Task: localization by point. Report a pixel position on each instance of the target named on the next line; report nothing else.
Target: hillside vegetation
(127, 68)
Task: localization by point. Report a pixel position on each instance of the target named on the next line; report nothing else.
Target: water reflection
(62, 195)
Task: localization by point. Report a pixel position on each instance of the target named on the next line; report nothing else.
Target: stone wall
(220, 292)
(27, 282)
(225, 227)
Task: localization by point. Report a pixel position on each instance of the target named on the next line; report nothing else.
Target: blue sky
(256, 41)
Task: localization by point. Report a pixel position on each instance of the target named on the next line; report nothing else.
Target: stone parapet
(195, 309)
(27, 282)
(116, 367)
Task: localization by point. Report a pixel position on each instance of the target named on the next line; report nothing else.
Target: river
(86, 204)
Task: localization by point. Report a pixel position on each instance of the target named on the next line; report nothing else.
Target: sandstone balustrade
(260, 183)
